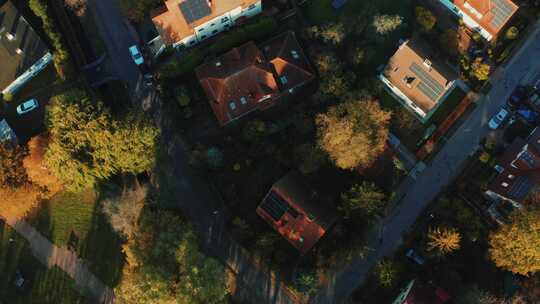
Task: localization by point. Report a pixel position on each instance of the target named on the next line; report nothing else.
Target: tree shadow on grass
(102, 246)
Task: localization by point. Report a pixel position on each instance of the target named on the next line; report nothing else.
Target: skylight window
(243, 100)
(232, 105)
(295, 54)
(283, 79)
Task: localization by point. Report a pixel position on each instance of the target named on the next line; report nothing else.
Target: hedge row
(194, 57)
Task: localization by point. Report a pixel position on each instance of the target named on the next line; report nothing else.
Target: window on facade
(251, 6)
(226, 25)
(201, 29)
(212, 24)
(224, 19)
(192, 42)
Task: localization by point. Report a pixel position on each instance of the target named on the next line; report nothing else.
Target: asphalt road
(523, 68)
(118, 37)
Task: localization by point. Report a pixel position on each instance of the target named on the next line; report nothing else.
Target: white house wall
(219, 24)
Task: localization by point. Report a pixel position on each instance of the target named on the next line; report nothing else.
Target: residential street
(444, 168)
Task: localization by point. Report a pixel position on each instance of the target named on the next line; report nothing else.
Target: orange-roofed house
(296, 214)
(487, 17)
(249, 78)
(416, 79)
(184, 23)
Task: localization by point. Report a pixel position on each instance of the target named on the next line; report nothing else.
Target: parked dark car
(528, 115)
(518, 96)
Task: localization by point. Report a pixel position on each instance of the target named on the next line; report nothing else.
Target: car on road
(136, 55)
(27, 106)
(517, 96)
(497, 120)
(413, 255)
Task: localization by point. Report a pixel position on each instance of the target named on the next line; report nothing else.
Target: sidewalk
(51, 255)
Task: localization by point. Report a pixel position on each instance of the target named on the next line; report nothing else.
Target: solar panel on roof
(431, 88)
(276, 206)
(501, 11)
(520, 187)
(194, 10)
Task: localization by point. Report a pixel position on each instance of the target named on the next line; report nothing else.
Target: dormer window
(243, 100)
(283, 79)
(10, 36)
(295, 54)
(511, 176)
(232, 105)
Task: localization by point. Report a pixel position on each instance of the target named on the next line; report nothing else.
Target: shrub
(425, 18)
(512, 33)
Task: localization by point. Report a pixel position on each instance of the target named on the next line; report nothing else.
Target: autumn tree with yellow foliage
(516, 245)
(443, 240)
(353, 133)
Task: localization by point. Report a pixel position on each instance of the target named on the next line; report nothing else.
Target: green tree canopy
(353, 133)
(366, 198)
(425, 18)
(12, 173)
(516, 246)
(166, 265)
(385, 24)
(88, 144)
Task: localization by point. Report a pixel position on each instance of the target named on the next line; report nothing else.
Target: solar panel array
(521, 187)
(501, 11)
(431, 88)
(194, 10)
(276, 206)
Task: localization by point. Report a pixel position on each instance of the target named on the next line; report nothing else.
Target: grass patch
(75, 220)
(43, 286)
(66, 213)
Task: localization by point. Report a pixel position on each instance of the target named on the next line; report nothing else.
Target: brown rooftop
(295, 213)
(173, 26)
(415, 71)
(492, 15)
(247, 79)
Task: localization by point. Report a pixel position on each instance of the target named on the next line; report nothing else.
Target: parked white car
(27, 106)
(498, 119)
(136, 55)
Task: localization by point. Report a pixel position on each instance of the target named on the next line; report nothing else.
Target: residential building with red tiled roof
(417, 79)
(519, 170)
(298, 215)
(487, 17)
(183, 23)
(249, 78)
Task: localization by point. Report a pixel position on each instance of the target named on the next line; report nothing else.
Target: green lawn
(43, 286)
(76, 221)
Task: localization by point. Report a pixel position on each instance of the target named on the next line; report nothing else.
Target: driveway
(118, 36)
(444, 168)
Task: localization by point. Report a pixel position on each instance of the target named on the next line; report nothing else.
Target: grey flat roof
(20, 46)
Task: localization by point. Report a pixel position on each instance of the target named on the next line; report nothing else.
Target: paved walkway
(51, 255)
(417, 194)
